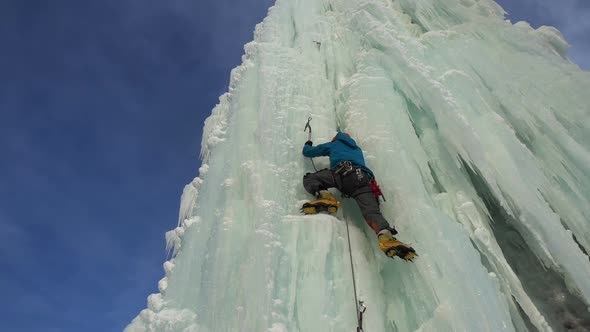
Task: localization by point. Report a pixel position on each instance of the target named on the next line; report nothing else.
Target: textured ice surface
(479, 133)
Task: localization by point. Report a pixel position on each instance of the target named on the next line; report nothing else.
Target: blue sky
(571, 17)
(101, 109)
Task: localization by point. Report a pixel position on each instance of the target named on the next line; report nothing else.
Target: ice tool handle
(308, 126)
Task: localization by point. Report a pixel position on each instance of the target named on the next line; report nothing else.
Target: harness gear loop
(347, 169)
(344, 168)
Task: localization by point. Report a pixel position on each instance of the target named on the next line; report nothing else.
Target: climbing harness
(307, 125)
(346, 167)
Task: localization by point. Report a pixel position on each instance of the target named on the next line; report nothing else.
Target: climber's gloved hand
(310, 143)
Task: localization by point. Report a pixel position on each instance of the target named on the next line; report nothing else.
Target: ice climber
(349, 174)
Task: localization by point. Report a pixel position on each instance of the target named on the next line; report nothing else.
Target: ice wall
(479, 133)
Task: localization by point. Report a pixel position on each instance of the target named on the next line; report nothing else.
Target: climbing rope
(359, 305)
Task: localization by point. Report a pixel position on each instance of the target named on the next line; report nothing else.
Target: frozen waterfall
(478, 131)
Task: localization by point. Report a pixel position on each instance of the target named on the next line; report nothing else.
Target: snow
(479, 134)
(554, 38)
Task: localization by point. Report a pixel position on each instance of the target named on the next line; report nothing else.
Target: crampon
(326, 203)
(392, 247)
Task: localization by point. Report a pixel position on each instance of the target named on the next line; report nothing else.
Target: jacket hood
(346, 139)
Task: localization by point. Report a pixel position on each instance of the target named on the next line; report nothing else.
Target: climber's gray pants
(361, 192)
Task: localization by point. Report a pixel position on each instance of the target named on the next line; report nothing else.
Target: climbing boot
(392, 247)
(325, 202)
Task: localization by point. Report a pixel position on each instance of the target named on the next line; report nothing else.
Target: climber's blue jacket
(342, 148)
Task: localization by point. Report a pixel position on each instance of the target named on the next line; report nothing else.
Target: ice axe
(308, 126)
